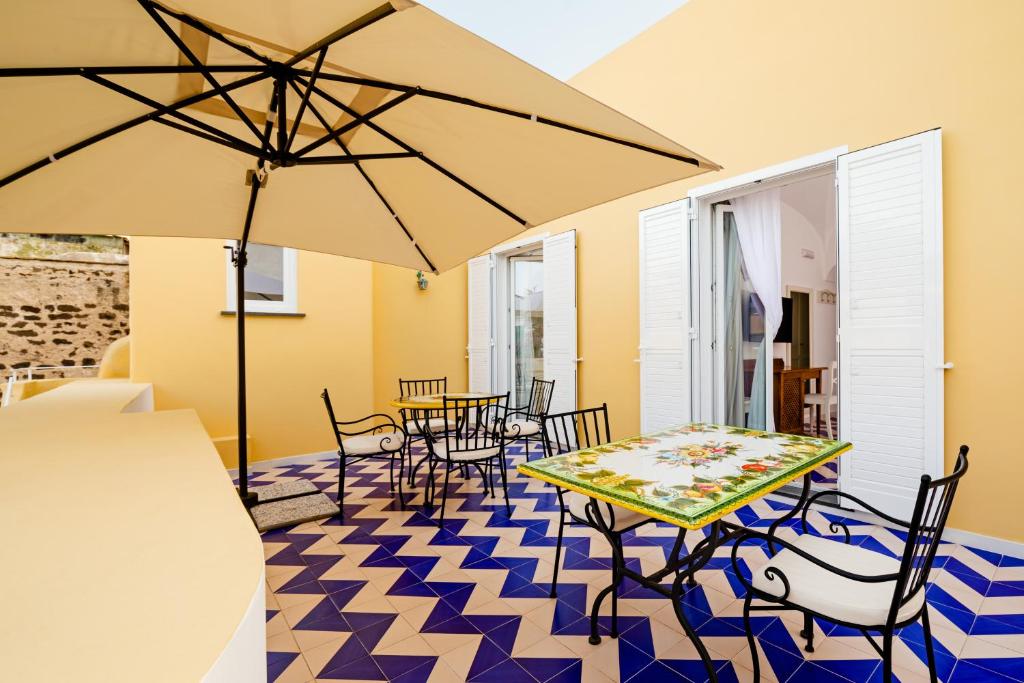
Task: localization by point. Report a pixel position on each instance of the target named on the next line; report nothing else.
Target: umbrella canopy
(387, 133)
(378, 131)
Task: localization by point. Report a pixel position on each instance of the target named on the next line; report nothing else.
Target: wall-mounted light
(421, 280)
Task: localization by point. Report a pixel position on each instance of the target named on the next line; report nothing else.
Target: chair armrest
(834, 526)
(776, 573)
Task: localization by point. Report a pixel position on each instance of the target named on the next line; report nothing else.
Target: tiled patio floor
(387, 596)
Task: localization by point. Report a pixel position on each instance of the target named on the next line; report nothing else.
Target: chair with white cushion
(824, 401)
(854, 586)
(525, 423)
(478, 440)
(373, 436)
(413, 421)
(573, 431)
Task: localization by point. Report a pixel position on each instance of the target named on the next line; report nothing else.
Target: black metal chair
(478, 441)
(573, 431)
(373, 436)
(854, 586)
(531, 422)
(413, 420)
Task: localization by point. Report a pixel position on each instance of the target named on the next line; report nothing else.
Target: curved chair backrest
(422, 387)
(576, 429)
(934, 499)
(481, 422)
(326, 396)
(541, 392)
(378, 423)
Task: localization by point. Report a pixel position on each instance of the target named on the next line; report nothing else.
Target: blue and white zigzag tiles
(388, 596)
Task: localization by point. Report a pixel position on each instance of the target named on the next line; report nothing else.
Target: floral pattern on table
(690, 474)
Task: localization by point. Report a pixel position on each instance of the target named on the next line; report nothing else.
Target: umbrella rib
(469, 102)
(200, 26)
(122, 70)
(345, 31)
(121, 127)
(359, 119)
(423, 157)
(373, 186)
(305, 100)
(243, 147)
(354, 158)
(210, 78)
(238, 143)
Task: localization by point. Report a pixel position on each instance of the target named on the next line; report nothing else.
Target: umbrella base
(290, 503)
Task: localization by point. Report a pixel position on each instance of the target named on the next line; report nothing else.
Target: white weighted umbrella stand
(223, 64)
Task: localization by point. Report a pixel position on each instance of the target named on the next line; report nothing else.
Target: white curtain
(759, 227)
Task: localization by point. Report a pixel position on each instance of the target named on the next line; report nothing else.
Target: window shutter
(664, 316)
(560, 319)
(480, 346)
(890, 319)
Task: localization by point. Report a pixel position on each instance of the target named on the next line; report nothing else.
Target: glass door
(741, 347)
(526, 287)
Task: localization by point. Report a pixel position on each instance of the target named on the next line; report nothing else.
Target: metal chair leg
(444, 495)
(751, 642)
(401, 475)
(504, 483)
(929, 645)
(887, 657)
(391, 474)
(808, 632)
(341, 487)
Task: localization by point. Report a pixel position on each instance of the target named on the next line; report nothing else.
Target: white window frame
(290, 302)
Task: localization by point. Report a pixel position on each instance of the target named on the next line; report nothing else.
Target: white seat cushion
(441, 451)
(577, 504)
(367, 444)
(521, 428)
(436, 424)
(819, 399)
(819, 590)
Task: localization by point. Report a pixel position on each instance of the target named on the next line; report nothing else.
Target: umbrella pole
(248, 498)
(284, 503)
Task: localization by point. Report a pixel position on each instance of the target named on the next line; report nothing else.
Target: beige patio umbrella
(379, 131)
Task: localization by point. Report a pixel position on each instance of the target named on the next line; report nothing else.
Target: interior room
(803, 398)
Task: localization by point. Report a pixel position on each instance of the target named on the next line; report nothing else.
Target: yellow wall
(186, 348)
(417, 333)
(751, 84)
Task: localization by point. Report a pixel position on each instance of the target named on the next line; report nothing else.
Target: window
(270, 279)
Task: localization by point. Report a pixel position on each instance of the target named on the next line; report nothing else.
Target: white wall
(808, 222)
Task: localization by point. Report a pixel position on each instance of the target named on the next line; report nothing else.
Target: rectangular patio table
(690, 476)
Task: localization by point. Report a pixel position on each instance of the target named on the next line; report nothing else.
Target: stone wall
(58, 312)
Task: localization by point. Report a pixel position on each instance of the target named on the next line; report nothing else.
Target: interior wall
(803, 203)
(929, 63)
(184, 345)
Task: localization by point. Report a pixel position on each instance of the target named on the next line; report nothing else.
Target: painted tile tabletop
(431, 401)
(689, 475)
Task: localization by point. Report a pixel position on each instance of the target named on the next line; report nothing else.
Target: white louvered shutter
(664, 316)
(480, 347)
(890, 319)
(560, 319)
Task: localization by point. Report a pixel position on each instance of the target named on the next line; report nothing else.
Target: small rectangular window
(270, 279)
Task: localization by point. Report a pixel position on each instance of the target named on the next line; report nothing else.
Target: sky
(562, 37)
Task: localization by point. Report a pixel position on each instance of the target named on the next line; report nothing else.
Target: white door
(664, 316)
(560, 319)
(480, 347)
(890, 319)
